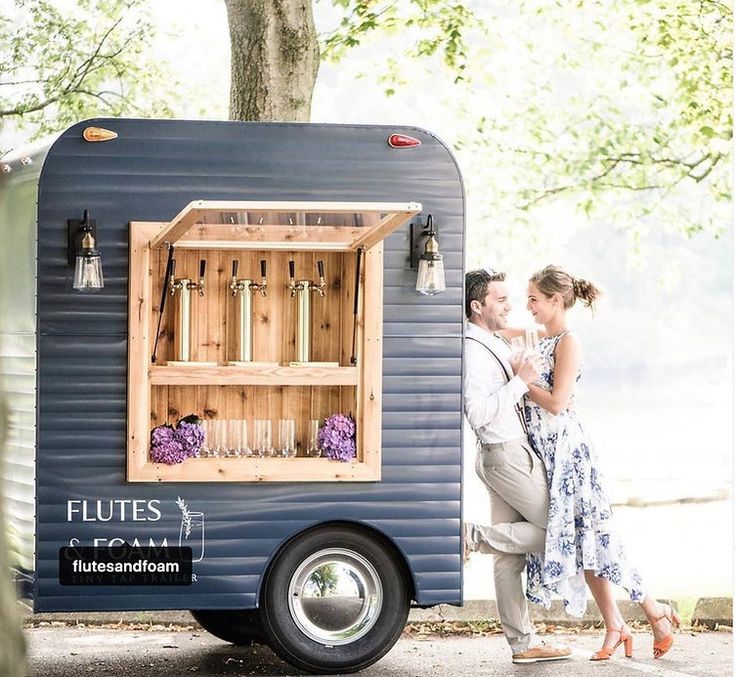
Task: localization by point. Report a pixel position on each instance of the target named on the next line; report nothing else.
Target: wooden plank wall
(274, 337)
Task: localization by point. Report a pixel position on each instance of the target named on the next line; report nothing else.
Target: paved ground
(71, 652)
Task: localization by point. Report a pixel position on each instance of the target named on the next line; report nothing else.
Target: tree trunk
(274, 59)
(12, 653)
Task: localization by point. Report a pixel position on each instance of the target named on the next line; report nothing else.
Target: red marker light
(403, 141)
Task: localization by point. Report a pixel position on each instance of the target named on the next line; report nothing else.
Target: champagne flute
(287, 437)
(234, 438)
(517, 347)
(263, 444)
(243, 448)
(221, 436)
(204, 451)
(531, 342)
(313, 449)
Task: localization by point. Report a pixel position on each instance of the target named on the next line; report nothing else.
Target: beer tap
(302, 289)
(319, 288)
(243, 290)
(294, 287)
(237, 285)
(185, 282)
(199, 286)
(308, 285)
(183, 310)
(260, 287)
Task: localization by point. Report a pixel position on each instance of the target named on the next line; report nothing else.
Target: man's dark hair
(476, 286)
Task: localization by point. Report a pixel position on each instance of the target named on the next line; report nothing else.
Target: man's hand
(526, 367)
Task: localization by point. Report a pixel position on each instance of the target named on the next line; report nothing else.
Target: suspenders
(517, 406)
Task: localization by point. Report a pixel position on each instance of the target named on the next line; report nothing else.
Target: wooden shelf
(257, 376)
(253, 469)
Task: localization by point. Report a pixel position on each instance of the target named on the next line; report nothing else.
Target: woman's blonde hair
(553, 280)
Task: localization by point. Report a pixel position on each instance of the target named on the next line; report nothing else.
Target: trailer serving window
(253, 315)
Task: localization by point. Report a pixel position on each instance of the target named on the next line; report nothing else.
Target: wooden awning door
(314, 226)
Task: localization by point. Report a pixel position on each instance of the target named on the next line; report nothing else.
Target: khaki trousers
(517, 484)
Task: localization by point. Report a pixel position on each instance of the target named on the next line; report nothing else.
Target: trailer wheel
(241, 627)
(334, 601)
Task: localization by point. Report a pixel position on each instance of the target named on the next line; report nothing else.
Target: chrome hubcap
(335, 596)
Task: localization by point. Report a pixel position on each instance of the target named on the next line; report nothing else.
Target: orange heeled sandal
(626, 638)
(662, 646)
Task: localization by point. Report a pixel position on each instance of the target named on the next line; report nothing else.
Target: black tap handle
(202, 266)
(173, 268)
(291, 269)
(235, 268)
(263, 268)
(321, 269)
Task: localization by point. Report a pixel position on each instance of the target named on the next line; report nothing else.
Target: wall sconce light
(84, 255)
(431, 270)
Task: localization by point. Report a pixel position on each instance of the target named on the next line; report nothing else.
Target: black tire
(334, 632)
(241, 627)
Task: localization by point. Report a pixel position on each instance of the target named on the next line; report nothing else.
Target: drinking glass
(204, 451)
(263, 441)
(243, 448)
(234, 437)
(287, 437)
(313, 449)
(220, 438)
(531, 341)
(517, 346)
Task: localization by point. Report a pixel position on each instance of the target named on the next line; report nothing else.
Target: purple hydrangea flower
(165, 447)
(336, 438)
(191, 437)
(171, 446)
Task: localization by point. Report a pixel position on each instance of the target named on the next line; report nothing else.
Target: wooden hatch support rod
(359, 255)
(164, 293)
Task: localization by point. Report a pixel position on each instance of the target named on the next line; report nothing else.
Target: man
(513, 474)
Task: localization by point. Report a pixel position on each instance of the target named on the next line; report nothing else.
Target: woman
(582, 545)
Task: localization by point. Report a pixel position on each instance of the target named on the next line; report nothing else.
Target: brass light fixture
(84, 255)
(431, 269)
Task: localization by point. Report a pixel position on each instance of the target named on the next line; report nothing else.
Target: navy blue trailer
(63, 363)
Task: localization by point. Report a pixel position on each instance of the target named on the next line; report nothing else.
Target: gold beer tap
(243, 289)
(322, 286)
(183, 311)
(294, 286)
(185, 282)
(260, 287)
(302, 289)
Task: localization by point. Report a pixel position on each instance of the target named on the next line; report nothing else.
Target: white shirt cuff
(518, 388)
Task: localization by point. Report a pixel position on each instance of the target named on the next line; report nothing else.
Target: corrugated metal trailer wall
(18, 193)
(150, 173)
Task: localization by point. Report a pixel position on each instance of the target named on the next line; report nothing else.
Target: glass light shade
(88, 272)
(431, 276)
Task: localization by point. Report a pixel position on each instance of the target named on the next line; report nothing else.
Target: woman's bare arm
(513, 332)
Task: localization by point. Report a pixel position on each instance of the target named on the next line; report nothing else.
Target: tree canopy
(627, 100)
(62, 65)
(622, 107)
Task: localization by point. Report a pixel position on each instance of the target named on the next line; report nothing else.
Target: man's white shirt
(489, 399)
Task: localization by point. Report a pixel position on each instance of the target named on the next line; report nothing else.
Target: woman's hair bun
(586, 291)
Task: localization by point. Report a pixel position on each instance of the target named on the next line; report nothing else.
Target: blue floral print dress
(580, 531)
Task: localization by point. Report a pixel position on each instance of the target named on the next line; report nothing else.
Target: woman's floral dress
(580, 531)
